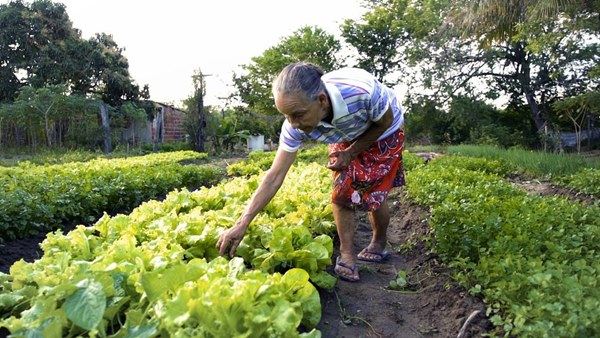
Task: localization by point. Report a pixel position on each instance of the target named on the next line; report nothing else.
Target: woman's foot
(346, 271)
(373, 253)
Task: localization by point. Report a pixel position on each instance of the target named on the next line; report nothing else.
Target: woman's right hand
(230, 239)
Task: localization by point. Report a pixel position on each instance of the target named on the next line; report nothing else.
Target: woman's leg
(380, 219)
(345, 224)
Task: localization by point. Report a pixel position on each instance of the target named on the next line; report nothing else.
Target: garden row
(157, 271)
(569, 170)
(535, 260)
(38, 198)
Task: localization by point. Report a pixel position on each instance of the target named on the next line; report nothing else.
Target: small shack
(167, 124)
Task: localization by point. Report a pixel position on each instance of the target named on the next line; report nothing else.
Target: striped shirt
(358, 99)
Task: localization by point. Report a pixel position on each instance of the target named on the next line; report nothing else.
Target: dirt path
(544, 188)
(431, 306)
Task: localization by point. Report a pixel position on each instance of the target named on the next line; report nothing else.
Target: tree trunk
(107, 144)
(48, 133)
(199, 92)
(159, 129)
(536, 114)
(524, 77)
(200, 137)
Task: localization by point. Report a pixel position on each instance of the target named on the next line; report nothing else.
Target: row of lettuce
(535, 260)
(36, 198)
(157, 272)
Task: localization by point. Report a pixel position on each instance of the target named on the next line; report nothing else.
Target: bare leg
(380, 219)
(344, 222)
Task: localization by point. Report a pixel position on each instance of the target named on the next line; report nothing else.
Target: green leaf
(156, 283)
(85, 307)
(323, 280)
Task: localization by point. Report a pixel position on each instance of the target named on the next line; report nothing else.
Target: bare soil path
(432, 304)
(544, 188)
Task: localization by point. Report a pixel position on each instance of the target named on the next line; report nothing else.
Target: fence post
(107, 144)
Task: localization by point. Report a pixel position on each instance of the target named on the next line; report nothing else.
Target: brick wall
(173, 124)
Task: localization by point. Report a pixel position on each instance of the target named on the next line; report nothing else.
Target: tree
(48, 116)
(528, 51)
(39, 46)
(30, 40)
(386, 32)
(578, 109)
(542, 44)
(377, 38)
(310, 44)
(196, 108)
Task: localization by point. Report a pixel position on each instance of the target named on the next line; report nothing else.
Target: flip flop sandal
(381, 256)
(353, 268)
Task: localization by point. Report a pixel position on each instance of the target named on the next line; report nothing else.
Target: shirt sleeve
(290, 139)
(380, 101)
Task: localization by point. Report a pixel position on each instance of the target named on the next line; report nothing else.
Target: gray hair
(299, 77)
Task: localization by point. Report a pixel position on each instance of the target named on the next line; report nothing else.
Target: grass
(13, 156)
(418, 148)
(530, 162)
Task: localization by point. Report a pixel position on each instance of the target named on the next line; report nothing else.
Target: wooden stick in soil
(463, 329)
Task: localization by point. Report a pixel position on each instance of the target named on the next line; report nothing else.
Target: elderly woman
(361, 120)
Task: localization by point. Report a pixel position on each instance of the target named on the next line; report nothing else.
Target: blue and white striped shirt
(358, 99)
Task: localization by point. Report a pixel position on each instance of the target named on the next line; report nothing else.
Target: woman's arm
(231, 238)
(341, 159)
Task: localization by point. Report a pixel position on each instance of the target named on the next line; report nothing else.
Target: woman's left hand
(339, 160)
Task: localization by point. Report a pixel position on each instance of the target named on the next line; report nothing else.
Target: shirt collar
(337, 104)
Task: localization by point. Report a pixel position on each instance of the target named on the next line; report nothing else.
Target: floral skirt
(366, 182)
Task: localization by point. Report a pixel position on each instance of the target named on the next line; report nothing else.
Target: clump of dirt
(431, 304)
(27, 248)
(428, 156)
(544, 188)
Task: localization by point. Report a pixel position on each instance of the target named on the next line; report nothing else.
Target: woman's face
(301, 112)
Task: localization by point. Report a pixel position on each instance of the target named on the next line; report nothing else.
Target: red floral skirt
(366, 182)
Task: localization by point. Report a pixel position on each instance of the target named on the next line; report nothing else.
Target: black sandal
(353, 268)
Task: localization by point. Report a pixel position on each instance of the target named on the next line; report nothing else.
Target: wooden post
(107, 144)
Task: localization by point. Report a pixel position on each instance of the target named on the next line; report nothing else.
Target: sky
(165, 41)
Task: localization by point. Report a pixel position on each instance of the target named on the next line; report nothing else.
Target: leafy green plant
(157, 272)
(534, 259)
(400, 281)
(38, 198)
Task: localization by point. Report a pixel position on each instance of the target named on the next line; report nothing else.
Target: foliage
(310, 44)
(158, 272)
(530, 52)
(569, 170)
(377, 38)
(48, 117)
(579, 109)
(535, 259)
(39, 46)
(37, 198)
(261, 160)
(587, 181)
(466, 121)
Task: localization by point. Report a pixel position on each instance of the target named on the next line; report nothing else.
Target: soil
(432, 304)
(544, 188)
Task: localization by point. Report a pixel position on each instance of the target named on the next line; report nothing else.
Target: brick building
(168, 123)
